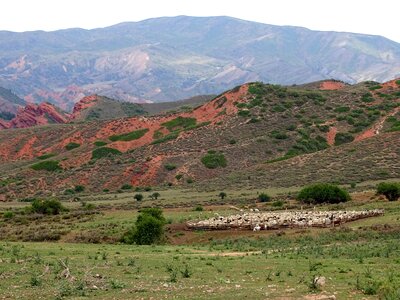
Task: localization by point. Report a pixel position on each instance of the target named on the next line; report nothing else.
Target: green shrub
(138, 197)
(243, 113)
(279, 135)
(343, 138)
(263, 197)
(149, 228)
(179, 123)
(79, 188)
(375, 87)
(155, 195)
(104, 152)
(126, 186)
(323, 193)
(99, 143)
(166, 138)
(342, 109)
(8, 215)
(398, 82)
(170, 167)
(48, 165)
(47, 207)
(222, 195)
(179, 176)
(390, 190)
(72, 145)
(198, 208)
(214, 160)
(133, 135)
(46, 156)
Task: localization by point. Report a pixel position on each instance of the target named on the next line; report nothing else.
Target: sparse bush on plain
(148, 229)
(47, 207)
(138, 197)
(264, 197)
(323, 193)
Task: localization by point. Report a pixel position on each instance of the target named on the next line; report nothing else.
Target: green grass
(179, 123)
(279, 264)
(169, 137)
(104, 152)
(134, 135)
(48, 165)
(45, 156)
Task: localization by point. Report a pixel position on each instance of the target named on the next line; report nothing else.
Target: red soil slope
(331, 85)
(32, 115)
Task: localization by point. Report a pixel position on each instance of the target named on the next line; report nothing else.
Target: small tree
(155, 195)
(138, 197)
(263, 197)
(323, 193)
(222, 195)
(149, 228)
(390, 190)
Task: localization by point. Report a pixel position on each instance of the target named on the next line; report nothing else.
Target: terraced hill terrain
(255, 134)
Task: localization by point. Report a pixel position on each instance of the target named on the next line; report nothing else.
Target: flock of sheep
(257, 221)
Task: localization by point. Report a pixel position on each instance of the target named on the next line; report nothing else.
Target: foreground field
(358, 260)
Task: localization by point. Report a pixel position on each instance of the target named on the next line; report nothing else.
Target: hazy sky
(362, 16)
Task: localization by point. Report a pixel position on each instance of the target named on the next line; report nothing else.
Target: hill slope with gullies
(165, 59)
(255, 134)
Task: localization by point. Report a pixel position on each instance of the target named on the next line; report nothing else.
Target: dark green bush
(46, 156)
(170, 167)
(79, 188)
(104, 152)
(323, 193)
(149, 228)
(48, 165)
(343, 138)
(155, 195)
(138, 197)
(99, 143)
(222, 195)
(342, 109)
(134, 135)
(126, 186)
(47, 207)
(263, 197)
(72, 145)
(214, 160)
(390, 190)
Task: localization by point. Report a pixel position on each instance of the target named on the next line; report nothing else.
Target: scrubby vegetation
(48, 165)
(100, 143)
(179, 123)
(214, 159)
(72, 145)
(46, 156)
(264, 197)
(104, 152)
(134, 135)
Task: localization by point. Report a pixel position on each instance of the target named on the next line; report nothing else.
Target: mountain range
(254, 135)
(170, 58)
